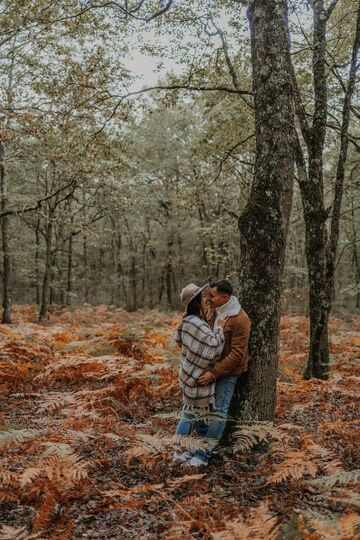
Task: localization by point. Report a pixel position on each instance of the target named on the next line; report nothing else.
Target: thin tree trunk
(47, 273)
(169, 270)
(37, 254)
(264, 221)
(133, 282)
(86, 270)
(69, 276)
(121, 280)
(6, 315)
(120, 273)
(320, 249)
(133, 270)
(356, 259)
(340, 171)
(161, 286)
(354, 240)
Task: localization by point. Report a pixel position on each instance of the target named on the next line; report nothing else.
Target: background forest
(145, 144)
(114, 193)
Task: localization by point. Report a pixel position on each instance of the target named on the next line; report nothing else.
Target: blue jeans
(210, 428)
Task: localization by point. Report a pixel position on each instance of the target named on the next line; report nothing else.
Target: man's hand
(206, 378)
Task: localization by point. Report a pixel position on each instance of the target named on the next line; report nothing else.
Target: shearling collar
(231, 308)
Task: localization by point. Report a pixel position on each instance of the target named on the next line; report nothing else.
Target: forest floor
(89, 405)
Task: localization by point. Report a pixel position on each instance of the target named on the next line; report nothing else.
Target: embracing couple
(213, 336)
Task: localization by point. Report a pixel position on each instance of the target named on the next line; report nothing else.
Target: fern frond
(8, 477)
(294, 467)
(59, 449)
(47, 511)
(128, 493)
(66, 472)
(165, 416)
(195, 443)
(70, 368)
(187, 478)
(246, 437)
(333, 467)
(13, 373)
(155, 443)
(15, 437)
(17, 533)
(10, 496)
(344, 478)
(29, 475)
(259, 525)
(344, 496)
(329, 528)
(150, 445)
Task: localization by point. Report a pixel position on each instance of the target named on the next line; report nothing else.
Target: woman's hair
(194, 306)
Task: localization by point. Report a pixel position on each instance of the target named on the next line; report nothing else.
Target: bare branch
(131, 12)
(38, 203)
(228, 153)
(229, 64)
(172, 87)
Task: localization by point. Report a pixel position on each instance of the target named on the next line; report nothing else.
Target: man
(233, 362)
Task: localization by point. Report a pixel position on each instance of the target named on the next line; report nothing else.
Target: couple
(214, 352)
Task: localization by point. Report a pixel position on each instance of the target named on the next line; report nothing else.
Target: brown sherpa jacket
(234, 358)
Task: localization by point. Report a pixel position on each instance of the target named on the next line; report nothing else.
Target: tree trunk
(133, 283)
(6, 316)
(86, 270)
(133, 269)
(47, 273)
(169, 269)
(37, 251)
(69, 279)
(320, 249)
(264, 221)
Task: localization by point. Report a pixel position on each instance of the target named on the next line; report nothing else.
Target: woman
(201, 347)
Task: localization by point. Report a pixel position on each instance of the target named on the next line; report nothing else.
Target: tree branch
(131, 12)
(172, 87)
(228, 154)
(229, 64)
(39, 202)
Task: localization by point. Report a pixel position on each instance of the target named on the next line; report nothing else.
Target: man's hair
(194, 307)
(223, 286)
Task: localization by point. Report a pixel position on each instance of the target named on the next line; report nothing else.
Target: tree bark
(264, 221)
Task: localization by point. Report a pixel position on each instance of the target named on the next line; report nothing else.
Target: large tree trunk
(6, 316)
(264, 222)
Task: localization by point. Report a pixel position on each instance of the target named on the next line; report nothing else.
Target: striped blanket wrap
(201, 348)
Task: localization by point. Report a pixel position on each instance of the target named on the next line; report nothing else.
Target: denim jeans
(210, 428)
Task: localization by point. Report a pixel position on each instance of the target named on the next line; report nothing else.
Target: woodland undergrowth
(89, 405)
